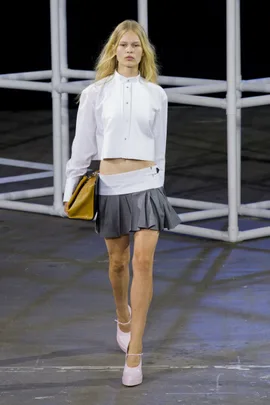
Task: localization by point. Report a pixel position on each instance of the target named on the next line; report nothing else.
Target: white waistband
(130, 182)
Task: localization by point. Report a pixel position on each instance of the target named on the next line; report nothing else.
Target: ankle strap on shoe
(121, 323)
(133, 354)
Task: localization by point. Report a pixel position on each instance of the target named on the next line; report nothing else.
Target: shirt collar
(124, 79)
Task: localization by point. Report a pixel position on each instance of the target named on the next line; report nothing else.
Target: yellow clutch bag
(83, 203)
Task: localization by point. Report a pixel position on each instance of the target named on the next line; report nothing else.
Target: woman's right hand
(66, 207)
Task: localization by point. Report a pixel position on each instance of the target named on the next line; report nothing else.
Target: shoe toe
(132, 375)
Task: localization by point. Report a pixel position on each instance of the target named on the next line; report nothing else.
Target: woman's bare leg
(119, 257)
(145, 242)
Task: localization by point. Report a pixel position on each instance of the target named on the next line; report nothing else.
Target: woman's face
(129, 50)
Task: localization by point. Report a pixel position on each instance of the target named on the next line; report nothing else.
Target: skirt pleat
(120, 214)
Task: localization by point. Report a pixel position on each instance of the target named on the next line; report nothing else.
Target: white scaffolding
(184, 91)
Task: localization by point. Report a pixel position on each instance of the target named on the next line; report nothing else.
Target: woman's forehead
(130, 36)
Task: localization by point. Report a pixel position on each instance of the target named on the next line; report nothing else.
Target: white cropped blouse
(118, 117)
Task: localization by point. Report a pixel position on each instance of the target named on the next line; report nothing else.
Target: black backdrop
(189, 36)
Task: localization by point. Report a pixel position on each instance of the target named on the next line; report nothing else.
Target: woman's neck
(127, 72)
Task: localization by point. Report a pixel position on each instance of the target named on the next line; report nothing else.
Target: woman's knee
(118, 264)
(119, 253)
(142, 263)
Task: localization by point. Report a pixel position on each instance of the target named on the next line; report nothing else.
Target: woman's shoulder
(96, 86)
(156, 89)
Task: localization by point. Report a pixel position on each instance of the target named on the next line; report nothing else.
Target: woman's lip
(129, 57)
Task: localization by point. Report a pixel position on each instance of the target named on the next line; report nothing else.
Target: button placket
(127, 96)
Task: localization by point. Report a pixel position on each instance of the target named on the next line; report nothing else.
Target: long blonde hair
(107, 63)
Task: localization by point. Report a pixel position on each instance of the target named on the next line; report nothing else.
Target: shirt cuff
(162, 176)
(70, 186)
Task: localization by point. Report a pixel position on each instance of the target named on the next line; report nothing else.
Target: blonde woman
(122, 121)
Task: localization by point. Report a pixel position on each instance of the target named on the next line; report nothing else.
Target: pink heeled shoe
(123, 338)
(132, 375)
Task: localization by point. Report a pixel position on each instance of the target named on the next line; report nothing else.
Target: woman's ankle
(135, 348)
(123, 319)
(125, 328)
(123, 314)
(133, 360)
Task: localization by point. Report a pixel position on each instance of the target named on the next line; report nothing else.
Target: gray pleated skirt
(119, 214)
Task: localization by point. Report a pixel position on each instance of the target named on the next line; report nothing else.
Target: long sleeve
(84, 145)
(160, 134)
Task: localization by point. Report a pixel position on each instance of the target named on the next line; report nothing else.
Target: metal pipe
(238, 98)
(78, 74)
(25, 177)
(197, 100)
(253, 234)
(198, 89)
(202, 232)
(32, 193)
(64, 96)
(56, 103)
(28, 207)
(24, 163)
(186, 81)
(231, 120)
(254, 101)
(258, 80)
(142, 7)
(25, 85)
(40, 75)
(258, 88)
(260, 204)
(195, 204)
(201, 215)
(254, 212)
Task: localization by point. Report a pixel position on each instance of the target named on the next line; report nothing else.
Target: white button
(126, 102)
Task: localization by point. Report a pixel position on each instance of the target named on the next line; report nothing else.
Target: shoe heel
(123, 338)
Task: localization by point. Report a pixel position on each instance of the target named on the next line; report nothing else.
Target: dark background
(189, 36)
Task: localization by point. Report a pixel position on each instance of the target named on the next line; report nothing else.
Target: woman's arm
(160, 134)
(84, 145)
